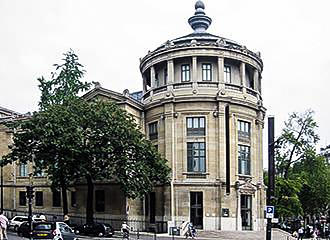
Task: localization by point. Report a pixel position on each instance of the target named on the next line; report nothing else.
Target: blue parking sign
(270, 210)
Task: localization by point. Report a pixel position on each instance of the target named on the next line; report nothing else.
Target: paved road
(202, 235)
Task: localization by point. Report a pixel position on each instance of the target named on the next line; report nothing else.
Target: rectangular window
(244, 163)
(185, 73)
(227, 74)
(165, 76)
(153, 130)
(244, 129)
(196, 157)
(56, 199)
(73, 199)
(99, 201)
(23, 170)
(195, 126)
(156, 80)
(39, 199)
(22, 198)
(206, 72)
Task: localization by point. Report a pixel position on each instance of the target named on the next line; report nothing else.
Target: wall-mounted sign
(225, 212)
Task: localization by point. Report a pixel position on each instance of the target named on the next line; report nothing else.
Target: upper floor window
(153, 130)
(156, 80)
(196, 157)
(185, 73)
(206, 72)
(195, 126)
(23, 170)
(244, 161)
(227, 74)
(165, 76)
(244, 129)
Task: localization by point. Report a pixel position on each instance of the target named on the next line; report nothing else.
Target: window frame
(23, 170)
(198, 130)
(99, 200)
(56, 199)
(185, 73)
(244, 156)
(39, 199)
(153, 130)
(244, 129)
(227, 73)
(196, 163)
(207, 69)
(22, 198)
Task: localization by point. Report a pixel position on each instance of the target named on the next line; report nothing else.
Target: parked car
(24, 230)
(16, 221)
(52, 230)
(95, 229)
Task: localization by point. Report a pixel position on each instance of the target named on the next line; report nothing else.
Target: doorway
(196, 209)
(246, 212)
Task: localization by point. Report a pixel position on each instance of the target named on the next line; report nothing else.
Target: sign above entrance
(270, 210)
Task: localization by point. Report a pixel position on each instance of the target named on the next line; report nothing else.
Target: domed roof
(200, 22)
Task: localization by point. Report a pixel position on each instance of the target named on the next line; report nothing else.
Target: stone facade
(201, 105)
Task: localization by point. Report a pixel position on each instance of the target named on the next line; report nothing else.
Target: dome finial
(200, 22)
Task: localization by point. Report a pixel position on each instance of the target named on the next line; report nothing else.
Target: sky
(110, 36)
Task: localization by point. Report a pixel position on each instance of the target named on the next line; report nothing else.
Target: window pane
(189, 122)
(201, 122)
(196, 120)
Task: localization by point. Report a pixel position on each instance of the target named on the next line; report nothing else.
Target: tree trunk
(65, 201)
(90, 196)
(64, 198)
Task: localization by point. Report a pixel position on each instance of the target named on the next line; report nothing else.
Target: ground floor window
(22, 198)
(99, 201)
(56, 198)
(39, 199)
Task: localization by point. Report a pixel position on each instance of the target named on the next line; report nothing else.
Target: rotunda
(204, 112)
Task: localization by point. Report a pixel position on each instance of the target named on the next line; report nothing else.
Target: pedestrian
(3, 226)
(300, 233)
(66, 219)
(184, 228)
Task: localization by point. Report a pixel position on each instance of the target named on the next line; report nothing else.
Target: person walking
(3, 226)
(300, 233)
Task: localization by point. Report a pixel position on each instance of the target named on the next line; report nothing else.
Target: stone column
(255, 79)
(221, 79)
(170, 71)
(152, 76)
(194, 72)
(242, 73)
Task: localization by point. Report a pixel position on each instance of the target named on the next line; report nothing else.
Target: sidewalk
(277, 234)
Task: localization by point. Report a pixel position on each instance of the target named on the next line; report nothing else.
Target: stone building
(201, 106)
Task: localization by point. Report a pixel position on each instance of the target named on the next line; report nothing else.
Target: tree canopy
(75, 140)
(302, 175)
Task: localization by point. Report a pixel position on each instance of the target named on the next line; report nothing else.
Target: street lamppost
(29, 194)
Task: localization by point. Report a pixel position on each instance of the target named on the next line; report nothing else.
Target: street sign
(270, 210)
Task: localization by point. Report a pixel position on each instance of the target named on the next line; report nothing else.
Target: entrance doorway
(196, 209)
(246, 212)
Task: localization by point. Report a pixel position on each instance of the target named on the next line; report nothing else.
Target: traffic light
(29, 192)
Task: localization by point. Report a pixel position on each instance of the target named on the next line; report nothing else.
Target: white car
(16, 221)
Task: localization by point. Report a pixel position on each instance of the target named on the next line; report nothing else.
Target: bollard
(155, 236)
(138, 234)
